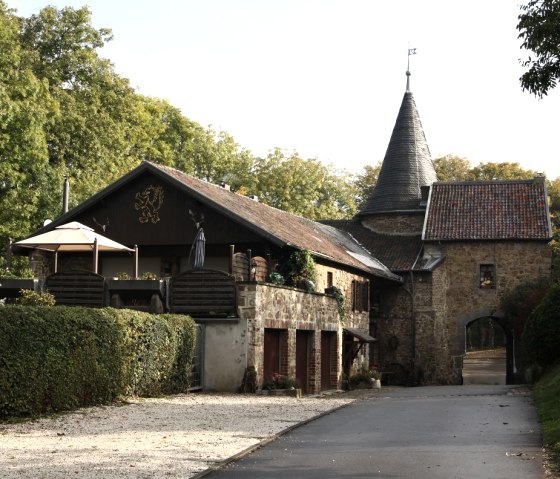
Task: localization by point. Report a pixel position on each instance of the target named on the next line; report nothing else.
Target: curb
(264, 442)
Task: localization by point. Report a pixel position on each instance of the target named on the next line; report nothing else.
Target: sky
(326, 78)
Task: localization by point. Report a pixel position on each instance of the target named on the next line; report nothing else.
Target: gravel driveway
(171, 437)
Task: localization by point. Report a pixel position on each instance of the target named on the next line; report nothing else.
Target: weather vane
(411, 51)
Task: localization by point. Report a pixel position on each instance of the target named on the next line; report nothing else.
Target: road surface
(445, 432)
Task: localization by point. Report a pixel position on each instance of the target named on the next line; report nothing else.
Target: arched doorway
(488, 355)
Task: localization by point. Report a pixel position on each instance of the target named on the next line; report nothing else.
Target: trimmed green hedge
(61, 358)
(541, 336)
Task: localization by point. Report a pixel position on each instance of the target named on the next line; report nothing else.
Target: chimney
(65, 196)
(425, 193)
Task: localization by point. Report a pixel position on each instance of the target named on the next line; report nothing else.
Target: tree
(365, 183)
(499, 171)
(541, 335)
(452, 168)
(303, 187)
(90, 140)
(25, 106)
(539, 30)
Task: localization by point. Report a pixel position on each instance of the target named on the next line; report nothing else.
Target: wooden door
(271, 353)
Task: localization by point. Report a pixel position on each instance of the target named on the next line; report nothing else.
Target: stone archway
(461, 338)
(485, 358)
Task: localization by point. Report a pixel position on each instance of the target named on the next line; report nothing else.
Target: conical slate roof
(406, 167)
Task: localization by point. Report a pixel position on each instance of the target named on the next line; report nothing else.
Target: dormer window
(487, 276)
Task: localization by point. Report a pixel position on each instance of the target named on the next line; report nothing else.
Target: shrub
(276, 278)
(340, 299)
(363, 376)
(54, 359)
(34, 298)
(279, 381)
(19, 268)
(148, 275)
(541, 335)
(299, 267)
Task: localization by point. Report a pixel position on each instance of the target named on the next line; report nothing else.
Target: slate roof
(277, 226)
(398, 253)
(489, 210)
(407, 165)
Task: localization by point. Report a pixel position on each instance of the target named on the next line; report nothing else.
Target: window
(487, 277)
(329, 279)
(360, 295)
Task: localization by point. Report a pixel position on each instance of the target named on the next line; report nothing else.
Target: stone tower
(396, 204)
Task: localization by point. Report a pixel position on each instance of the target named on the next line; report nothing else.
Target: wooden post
(135, 270)
(95, 255)
(249, 267)
(231, 252)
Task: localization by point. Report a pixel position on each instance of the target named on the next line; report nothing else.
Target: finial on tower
(411, 51)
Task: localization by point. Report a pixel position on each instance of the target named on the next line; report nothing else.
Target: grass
(546, 393)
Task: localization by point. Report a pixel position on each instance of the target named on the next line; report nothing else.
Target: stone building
(265, 328)
(419, 263)
(458, 247)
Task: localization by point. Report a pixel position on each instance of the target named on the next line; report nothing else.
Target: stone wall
(515, 263)
(430, 332)
(289, 309)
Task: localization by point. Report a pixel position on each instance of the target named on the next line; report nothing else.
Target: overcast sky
(326, 77)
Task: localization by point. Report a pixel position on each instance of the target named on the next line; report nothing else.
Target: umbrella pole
(95, 255)
(135, 273)
(56, 261)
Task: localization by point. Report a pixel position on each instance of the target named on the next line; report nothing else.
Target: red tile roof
(490, 210)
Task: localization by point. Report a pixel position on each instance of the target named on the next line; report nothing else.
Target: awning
(359, 335)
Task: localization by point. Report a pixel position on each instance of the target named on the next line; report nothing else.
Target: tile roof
(397, 252)
(489, 210)
(281, 227)
(407, 165)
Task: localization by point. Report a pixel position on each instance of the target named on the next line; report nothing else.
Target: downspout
(413, 306)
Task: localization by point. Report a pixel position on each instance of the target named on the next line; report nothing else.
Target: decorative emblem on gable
(148, 203)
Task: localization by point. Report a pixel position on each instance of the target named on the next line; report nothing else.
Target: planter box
(10, 288)
(136, 288)
(296, 393)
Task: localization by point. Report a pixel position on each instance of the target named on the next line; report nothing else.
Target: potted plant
(300, 270)
(280, 385)
(17, 277)
(365, 379)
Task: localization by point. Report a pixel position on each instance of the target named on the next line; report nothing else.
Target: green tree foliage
(554, 196)
(365, 183)
(542, 331)
(499, 171)
(539, 30)
(25, 106)
(303, 187)
(93, 134)
(452, 168)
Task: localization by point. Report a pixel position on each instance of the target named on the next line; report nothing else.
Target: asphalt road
(472, 432)
(485, 367)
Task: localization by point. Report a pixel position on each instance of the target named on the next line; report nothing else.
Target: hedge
(541, 336)
(60, 358)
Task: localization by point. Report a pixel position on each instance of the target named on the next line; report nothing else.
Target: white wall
(225, 354)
